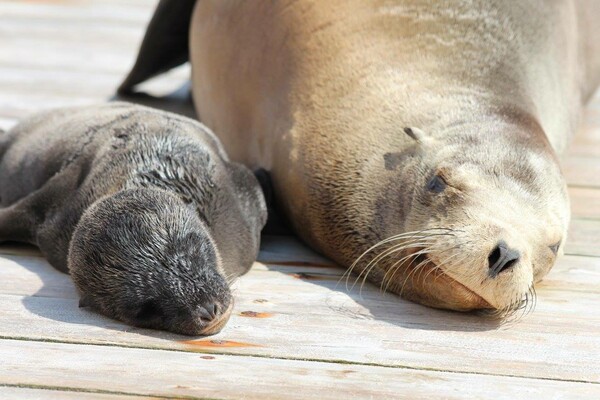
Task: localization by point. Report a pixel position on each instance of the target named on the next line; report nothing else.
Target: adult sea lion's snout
(466, 223)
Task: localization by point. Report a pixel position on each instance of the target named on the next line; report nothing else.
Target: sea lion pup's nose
(207, 312)
(502, 258)
(213, 317)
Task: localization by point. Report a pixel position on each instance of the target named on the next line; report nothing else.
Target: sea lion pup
(418, 137)
(141, 207)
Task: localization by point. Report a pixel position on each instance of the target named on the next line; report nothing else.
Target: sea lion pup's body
(469, 208)
(141, 207)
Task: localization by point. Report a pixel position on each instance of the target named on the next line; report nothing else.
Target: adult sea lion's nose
(502, 258)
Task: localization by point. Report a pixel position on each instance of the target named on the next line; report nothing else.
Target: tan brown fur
(320, 93)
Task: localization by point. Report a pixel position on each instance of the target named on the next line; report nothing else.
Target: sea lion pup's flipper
(16, 222)
(165, 44)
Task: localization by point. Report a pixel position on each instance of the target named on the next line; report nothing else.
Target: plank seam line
(330, 361)
(586, 219)
(98, 391)
(580, 186)
(582, 255)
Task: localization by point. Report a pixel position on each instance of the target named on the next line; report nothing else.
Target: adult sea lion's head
(146, 258)
(467, 220)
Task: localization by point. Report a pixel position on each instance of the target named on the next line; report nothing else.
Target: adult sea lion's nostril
(502, 258)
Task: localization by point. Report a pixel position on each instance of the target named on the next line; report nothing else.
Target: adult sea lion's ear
(416, 134)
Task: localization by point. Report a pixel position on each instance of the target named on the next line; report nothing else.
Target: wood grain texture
(18, 392)
(311, 315)
(296, 332)
(150, 372)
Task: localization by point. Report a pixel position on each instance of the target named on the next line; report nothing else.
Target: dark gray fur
(141, 206)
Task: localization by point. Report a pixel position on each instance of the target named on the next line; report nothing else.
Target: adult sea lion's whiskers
(398, 264)
(406, 235)
(399, 247)
(374, 263)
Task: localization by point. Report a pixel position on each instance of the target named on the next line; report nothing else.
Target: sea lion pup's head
(144, 257)
(468, 220)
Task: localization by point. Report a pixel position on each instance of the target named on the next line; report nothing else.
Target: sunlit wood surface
(297, 331)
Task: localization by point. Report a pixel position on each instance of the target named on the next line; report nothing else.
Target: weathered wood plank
(77, 83)
(189, 374)
(584, 237)
(7, 123)
(582, 171)
(308, 315)
(28, 393)
(585, 202)
(75, 12)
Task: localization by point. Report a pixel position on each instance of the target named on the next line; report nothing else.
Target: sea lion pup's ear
(416, 134)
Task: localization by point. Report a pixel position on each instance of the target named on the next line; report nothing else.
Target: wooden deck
(296, 331)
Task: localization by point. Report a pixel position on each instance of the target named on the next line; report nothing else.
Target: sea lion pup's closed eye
(141, 207)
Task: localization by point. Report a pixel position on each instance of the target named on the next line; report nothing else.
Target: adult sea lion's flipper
(165, 44)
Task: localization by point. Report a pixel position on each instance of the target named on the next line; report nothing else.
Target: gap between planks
(49, 392)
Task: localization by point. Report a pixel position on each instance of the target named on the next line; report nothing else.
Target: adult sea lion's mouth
(440, 290)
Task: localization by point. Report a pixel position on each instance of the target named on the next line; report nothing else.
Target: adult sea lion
(141, 207)
(413, 141)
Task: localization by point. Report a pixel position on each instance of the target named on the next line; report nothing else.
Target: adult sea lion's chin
(434, 288)
(425, 282)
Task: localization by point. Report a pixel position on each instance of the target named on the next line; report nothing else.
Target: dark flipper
(17, 223)
(165, 44)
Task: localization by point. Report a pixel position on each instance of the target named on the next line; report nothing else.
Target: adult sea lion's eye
(436, 184)
(555, 247)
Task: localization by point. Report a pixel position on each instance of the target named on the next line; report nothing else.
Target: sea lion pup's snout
(146, 258)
